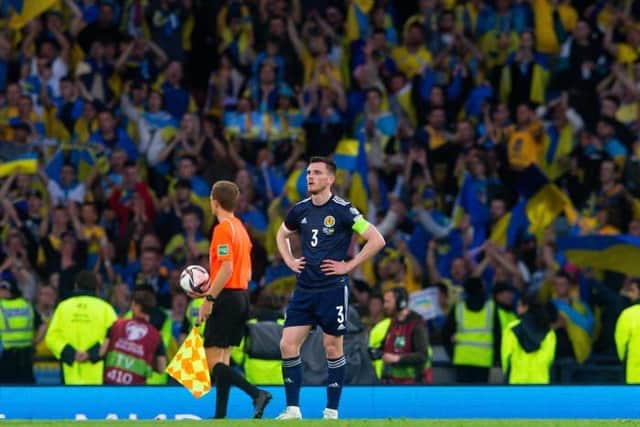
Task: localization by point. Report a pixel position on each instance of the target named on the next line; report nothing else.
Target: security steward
(77, 330)
(18, 323)
(528, 345)
(471, 334)
(627, 334)
(399, 344)
(259, 351)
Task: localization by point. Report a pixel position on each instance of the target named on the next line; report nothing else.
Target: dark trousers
(472, 375)
(16, 366)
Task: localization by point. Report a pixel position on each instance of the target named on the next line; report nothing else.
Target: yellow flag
(189, 366)
(27, 10)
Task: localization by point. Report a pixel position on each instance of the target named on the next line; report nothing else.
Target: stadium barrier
(441, 402)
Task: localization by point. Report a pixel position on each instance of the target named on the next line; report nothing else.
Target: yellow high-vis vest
(474, 336)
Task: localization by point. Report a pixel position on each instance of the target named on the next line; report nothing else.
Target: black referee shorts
(226, 325)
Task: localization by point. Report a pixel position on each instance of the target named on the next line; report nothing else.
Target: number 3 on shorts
(340, 309)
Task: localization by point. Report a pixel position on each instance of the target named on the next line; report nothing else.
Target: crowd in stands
(117, 116)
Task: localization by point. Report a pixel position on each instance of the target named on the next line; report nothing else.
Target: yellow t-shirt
(411, 63)
(523, 149)
(626, 53)
(309, 65)
(627, 113)
(95, 236)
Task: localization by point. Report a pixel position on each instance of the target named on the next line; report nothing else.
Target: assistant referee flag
(189, 366)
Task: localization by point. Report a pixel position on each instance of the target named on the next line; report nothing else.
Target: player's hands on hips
(205, 311)
(333, 267)
(296, 264)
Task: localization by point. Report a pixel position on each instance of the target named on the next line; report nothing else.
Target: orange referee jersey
(231, 242)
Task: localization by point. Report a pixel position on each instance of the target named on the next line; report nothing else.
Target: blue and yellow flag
(508, 228)
(351, 158)
(358, 20)
(545, 201)
(25, 10)
(26, 164)
(295, 189)
(606, 252)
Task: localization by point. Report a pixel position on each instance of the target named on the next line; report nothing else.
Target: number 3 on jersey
(314, 237)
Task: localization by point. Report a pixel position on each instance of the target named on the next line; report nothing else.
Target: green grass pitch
(341, 423)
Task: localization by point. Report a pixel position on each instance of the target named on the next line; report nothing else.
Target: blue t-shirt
(325, 233)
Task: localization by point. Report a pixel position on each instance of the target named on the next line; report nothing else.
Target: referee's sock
(221, 374)
(292, 375)
(242, 383)
(337, 369)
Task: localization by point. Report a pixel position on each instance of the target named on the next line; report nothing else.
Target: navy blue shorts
(325, 308)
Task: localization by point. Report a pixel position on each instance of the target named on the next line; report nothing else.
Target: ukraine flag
(544, 200)
(605, 252)
(26, 164)
(508, 228)
(295, 189)
(358, 19)
(351, 158)
(26, 10)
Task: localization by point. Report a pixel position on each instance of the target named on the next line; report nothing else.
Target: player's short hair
(146, 300)
(331, 165)
(226, 193)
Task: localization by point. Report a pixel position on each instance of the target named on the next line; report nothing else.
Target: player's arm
(284, 247)
(374, 243)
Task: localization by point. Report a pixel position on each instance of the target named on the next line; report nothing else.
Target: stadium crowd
(116, 116)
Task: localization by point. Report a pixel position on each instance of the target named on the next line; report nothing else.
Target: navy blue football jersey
(325, 233)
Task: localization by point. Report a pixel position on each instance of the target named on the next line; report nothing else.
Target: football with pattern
(194, 280)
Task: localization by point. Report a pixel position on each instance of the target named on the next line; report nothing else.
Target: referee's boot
(261, 402)
(290, 413)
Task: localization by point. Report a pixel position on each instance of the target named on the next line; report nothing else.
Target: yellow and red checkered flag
(189, 366)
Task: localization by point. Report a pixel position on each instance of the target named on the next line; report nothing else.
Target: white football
(194, 280)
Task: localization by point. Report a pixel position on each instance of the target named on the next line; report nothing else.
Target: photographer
(399, 345)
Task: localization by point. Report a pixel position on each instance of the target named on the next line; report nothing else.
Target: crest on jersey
(329, 221)
(136, 331)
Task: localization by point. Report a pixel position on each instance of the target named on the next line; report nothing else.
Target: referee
(226, 306)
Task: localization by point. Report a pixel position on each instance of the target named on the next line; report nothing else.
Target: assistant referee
(226, 305)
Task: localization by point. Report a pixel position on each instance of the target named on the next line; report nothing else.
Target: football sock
(242, 383)
(337, 368)
(292, 375)
(222, 377)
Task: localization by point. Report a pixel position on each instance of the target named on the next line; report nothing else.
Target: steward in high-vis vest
(77, 330)
(133, 349)
(471, 334)
(627, 335)
(528, 345)
(18, 323)
(504, 295)
(402, 355)
(259, 352)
